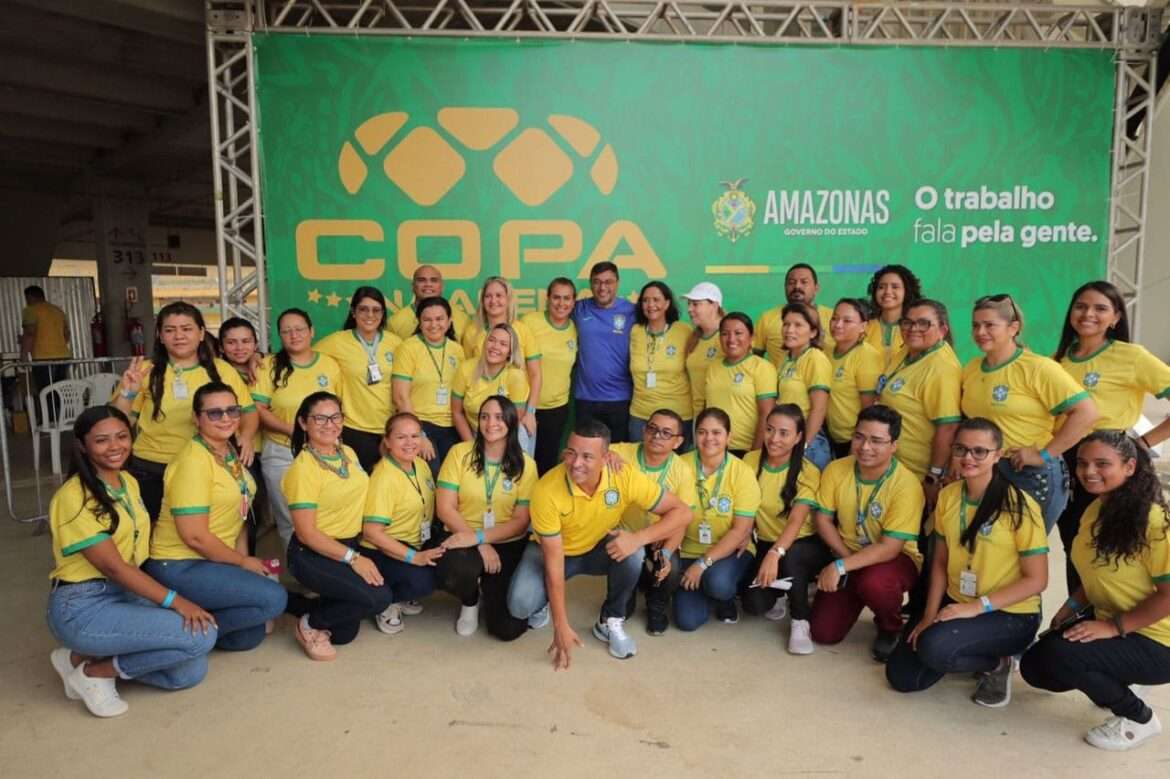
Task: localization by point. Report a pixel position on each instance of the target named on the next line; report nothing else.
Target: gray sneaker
(613, 632)
(995, 688)
(539, 618)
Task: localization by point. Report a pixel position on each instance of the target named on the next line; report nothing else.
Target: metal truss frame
(1134, 33)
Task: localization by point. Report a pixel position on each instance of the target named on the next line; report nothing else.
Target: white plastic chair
(102, 385)
(71, 395)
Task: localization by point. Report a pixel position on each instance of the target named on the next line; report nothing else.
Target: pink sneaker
(316, 643)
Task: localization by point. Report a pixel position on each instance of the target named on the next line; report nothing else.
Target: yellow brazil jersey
(771, 520)
(50, 342)
(811, 370)
(890, 505)
(400, 501)
(925, 391)
(561, 508)
(558, 355)
(728, 493)
(1116, 588)
(458, 475)
(258, 436)
(737, 388)
(367, 406)
(663, 356)
(1023, 396)
(320, 374)
(473, 339)
(855, 373)
(708, 350)
(675, 475)
(338, 501)
(885, 337)
(1117, 376)
(998, 546)
(76, 526)
(768, 337)
(509, 382)
(430, 370)
(159, 441)
(404, 322)
(195, 483)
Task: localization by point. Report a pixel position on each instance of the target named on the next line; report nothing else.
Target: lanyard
(230, 464)
(372, 347)
(122, 496)
(437, 363)
(963, 502)
(863, 508)
(701, 481)
(411, 476)
(489, 483)
(652, 340)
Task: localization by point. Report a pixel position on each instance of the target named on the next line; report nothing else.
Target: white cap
(705, 290)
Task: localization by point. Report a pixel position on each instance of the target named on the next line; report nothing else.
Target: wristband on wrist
(778, 551)
(348, 556)
(530, 409)
(1046, 456)
(1073, 604)
(409, 555)
(840, 565)
(480, 538)
(987, 607)
(1145, 441)
(167, 601)
(128, 394)
(703, 564)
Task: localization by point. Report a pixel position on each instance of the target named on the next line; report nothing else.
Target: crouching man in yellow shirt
(576, 509)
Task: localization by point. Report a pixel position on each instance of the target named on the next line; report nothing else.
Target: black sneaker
(656, 621)
(884, 644)
(995, 688)
(727, 612)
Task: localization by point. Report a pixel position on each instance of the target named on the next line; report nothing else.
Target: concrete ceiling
(112, 90)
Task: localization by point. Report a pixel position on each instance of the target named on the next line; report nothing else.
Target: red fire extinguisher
(97, 333)
(136, 335)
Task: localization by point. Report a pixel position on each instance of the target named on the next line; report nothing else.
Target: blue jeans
(719, 583)
(240, 600)
(344, 597)
(1048, 484)
(147, 642)
(406, 581)
(959, 646)
(527, 594)
(819, 451)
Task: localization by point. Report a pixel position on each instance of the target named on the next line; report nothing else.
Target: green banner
(984, 170)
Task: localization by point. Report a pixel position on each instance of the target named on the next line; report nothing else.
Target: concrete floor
(725, 701)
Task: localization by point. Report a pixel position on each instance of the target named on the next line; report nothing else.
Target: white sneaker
(63, 665)
(1118, 734)
(468, 621)
(411, 608)
(390, 620)
(539, 618)
(100, 695)
(778, 611)
(613, 632)
(800, 638)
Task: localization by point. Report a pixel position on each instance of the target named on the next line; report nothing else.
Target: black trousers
(367, 446)
(614, 413)
(802, 562)
(150, 483)
(658, 594)
(443, 438)
(43, 376)
(345, 599)
(1069, 522)
(460, 572)
(1102, 670)
(550, 433)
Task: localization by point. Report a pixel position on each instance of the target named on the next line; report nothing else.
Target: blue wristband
(167, 601)
(480, 538)
(987, 607)
(1073, 604)
(409, 555)
(841, 565)
(1045, 456)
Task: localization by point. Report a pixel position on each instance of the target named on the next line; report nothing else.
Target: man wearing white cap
(801, 285)
(705, 307)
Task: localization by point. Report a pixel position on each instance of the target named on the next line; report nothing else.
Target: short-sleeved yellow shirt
(75, 526)
(737, 388)
(558, 355)
(1117, 377)
(431, 371)
(338, 501)
(772, 518)
(1118, 587)
(725, 495)
(404, 322)
(675, 475)
(321, 374)
(474, 337)
(768, 337)
(998, 547)
(400, 501)
(159, 441)
(509, 382)
(893, 505)
(458, 475)
(797, 377)
(50, 342)
(195, 483)
(855, 373)
(367, 406)
(708, 351)
(885, 337)
(561, 508)
(1023, 396)
(925, 391)
(665, 356)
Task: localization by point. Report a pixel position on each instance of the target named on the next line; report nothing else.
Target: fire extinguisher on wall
(136, 335)
(97, 333)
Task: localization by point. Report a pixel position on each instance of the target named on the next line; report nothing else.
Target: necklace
(322, 460)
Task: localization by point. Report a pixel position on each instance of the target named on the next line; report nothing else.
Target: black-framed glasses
(327, 419)
(978, 453)
(916, 324)
(660, 432)
(861, 439)
(216, 414)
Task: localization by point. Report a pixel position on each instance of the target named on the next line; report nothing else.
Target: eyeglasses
(916, 324)
(369, 309)
(862, 440)
(294, 331)
(660, 432)
(216, 414)
(331, 419)
(978, 453)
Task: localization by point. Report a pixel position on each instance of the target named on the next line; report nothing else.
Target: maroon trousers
(880, 587)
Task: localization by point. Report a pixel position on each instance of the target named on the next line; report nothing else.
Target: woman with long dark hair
(788, 544)
(658, 354)
(239, 347)
(113, 620)
(989, 566)
(156, 394)
(892, 290)
(556, 339)
(485, 486)
(364, 351)
(1114, 631)
(742, 384)
(286, 379)
(805, 376)
(857, 370)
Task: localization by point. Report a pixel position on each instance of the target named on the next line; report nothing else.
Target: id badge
(180, 389)
(651, 380)
(424, 532)
(442, 396)
(489, 519)
(373, 373)
(968, 584)
(705, 533)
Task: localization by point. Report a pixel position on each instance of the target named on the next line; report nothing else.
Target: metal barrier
(17, 386)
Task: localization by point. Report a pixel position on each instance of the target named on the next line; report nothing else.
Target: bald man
(426, 282)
